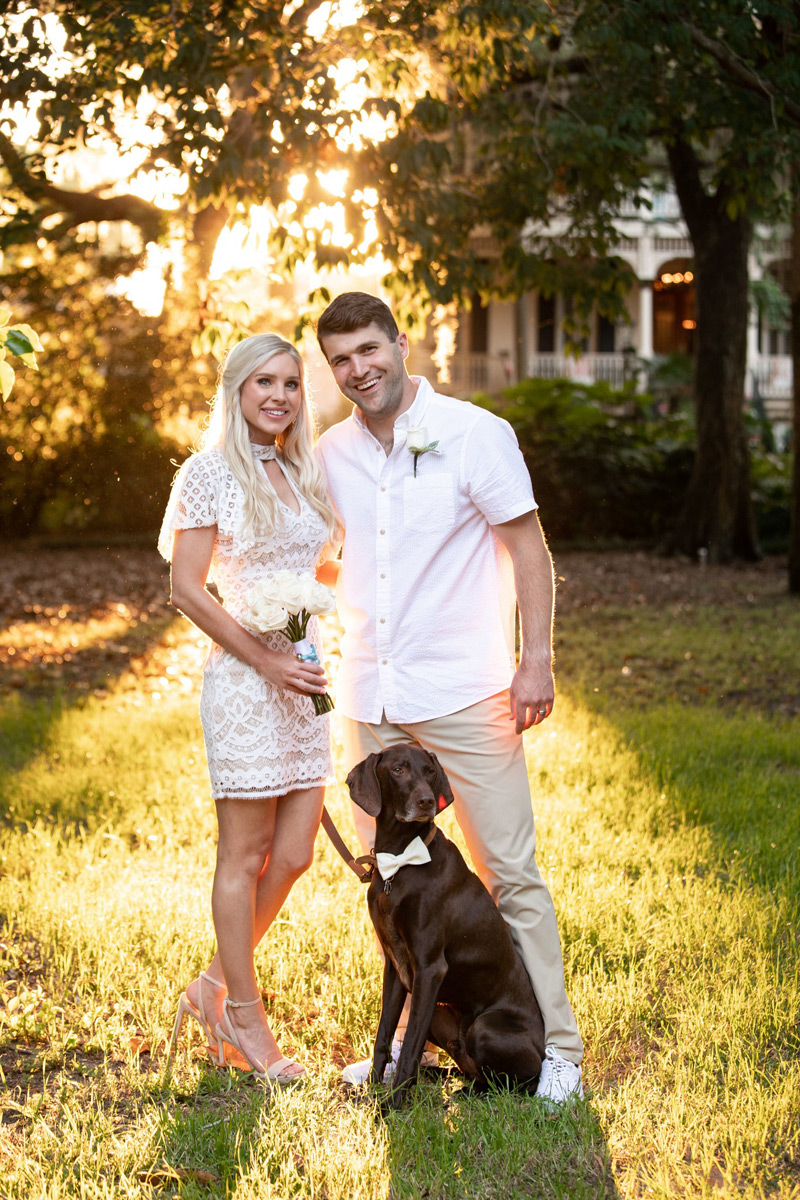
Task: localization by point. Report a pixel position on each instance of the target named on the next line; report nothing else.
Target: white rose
(281, 579)
(416, 439)
(319, 599)
(265, 590)
(267, 616)
(293, 593)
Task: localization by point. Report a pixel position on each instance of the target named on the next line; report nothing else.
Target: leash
(365, 865)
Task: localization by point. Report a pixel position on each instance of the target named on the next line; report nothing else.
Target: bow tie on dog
(415, 854)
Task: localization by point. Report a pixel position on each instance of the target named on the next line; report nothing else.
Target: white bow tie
(415, 854)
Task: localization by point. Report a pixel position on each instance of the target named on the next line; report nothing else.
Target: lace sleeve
(193, 501)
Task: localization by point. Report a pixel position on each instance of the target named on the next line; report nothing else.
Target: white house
(495, 345)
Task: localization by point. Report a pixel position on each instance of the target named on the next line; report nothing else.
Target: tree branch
(685, 167)
(745, 76)
(79, 207)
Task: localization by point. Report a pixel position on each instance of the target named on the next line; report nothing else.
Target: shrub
(771, 475)
(608, 464)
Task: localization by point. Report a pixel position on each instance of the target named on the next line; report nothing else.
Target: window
(546, 329)
(478, 326)
(605, 335)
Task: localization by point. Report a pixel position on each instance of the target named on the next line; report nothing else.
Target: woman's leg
(254, 876)
(246, 829)
(296, 824)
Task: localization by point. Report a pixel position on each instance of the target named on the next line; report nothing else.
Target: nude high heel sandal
(198, 1013)
(227, 1035)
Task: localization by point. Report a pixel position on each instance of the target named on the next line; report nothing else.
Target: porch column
(645, 347)
(752, 352)
(524, 329)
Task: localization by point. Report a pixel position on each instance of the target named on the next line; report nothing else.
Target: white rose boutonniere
(417, 442)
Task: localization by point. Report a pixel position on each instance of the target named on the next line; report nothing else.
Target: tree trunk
(717, 510)
(794, 288)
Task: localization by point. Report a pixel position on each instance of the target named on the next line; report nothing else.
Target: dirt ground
(73, 619)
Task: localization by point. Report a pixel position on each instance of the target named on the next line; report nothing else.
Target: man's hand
(532, 695)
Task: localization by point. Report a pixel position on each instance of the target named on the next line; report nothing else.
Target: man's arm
(533, 686)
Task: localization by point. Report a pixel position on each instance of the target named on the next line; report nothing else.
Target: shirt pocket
(428, 503)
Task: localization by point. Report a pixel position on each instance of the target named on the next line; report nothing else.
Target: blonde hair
(228, 431)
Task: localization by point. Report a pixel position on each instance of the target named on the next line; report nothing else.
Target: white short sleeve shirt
(426, 591)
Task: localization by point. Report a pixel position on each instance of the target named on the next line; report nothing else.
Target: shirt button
(383, 620)
(383, 531)
(383, 574)
(383, 489)
(384, 661)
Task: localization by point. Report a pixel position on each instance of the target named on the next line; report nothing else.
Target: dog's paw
(396, 1098)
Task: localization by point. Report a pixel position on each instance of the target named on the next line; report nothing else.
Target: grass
(669, 832)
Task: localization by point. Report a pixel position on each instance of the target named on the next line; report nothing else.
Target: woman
(251, 502)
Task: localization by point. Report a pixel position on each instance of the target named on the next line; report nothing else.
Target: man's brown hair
(354, 310)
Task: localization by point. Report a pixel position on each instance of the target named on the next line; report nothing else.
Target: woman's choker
(263, 452)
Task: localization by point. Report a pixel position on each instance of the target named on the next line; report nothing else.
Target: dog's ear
(365, 791)
(441, 785)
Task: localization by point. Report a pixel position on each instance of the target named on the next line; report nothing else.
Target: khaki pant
(484, 761)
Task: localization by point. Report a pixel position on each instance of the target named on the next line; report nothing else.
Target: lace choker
(263, 452)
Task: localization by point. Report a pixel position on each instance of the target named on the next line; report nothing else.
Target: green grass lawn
(669, 830)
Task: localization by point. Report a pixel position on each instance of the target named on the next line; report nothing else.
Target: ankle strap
(210, 979)
(241, 1003)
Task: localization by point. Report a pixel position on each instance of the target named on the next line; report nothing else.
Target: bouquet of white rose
(284, 602)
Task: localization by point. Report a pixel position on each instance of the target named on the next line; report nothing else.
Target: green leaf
(6, 380)
(17, 343)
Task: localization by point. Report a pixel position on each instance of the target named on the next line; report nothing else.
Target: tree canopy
(611, 97)
(511, 134)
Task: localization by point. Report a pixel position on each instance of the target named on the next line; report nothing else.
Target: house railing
(589, 368)
(470, 373)
(772, 374)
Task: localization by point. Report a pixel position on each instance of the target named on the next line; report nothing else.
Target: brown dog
(443, 938)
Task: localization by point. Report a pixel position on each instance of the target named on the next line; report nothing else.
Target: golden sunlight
(147, 286)
(125, 163)
(332, 16)
(445, 328)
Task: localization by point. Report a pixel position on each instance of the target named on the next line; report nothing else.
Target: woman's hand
(191, 559)
(290, 672)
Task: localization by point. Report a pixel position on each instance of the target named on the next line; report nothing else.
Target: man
(441, 535)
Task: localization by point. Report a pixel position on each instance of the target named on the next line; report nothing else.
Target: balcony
(773, 375)
(589, 368)
(471, 373)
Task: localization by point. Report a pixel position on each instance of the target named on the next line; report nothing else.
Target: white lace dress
(261, 740)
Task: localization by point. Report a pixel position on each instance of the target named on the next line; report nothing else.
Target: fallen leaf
(167, 1175)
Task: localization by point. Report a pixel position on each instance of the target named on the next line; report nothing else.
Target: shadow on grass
(207, 1139)
(191, 1141)
(451, 1140)
(30, 714)
(735, 776)
(447, 1142)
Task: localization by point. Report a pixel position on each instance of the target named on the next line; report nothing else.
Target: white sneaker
(560, 1079)
(357, 1073)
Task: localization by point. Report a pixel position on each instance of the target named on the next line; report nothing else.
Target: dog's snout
(424, 795)
(421, 803)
